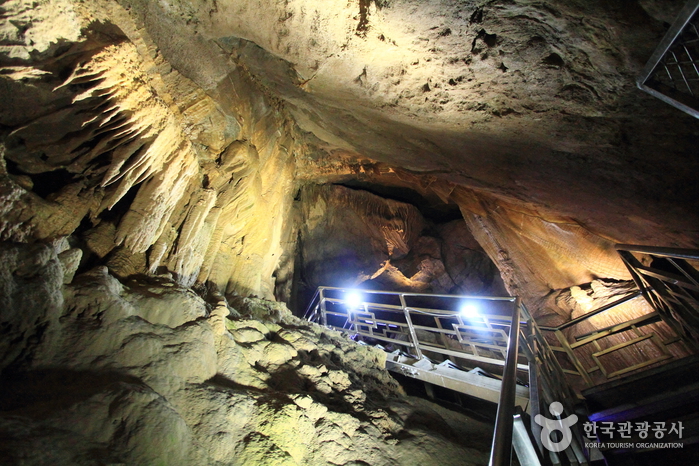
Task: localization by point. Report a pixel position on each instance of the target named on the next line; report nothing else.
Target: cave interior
(178, 178)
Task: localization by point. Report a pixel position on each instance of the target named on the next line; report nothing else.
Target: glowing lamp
(469, 311)
(353, 299)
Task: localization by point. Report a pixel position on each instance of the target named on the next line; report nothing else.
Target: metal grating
(672, 73)
(680, 62)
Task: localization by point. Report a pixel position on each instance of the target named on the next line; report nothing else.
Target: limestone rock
(31, 300)
(182, 146)
(128, 390)
(37, 28)
(467, 263)
(351, 237)
(70, 260)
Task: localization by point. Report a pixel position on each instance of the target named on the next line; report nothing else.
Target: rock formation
(171, 172)
(351, 237)
(146, 372)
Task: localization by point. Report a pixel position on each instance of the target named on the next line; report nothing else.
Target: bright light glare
(469, 311)
(353, 299)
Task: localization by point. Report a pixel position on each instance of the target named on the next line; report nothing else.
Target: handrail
(583, 317)
(657, 61)
(501, 449)
(411, 327)
(671, 287)
(381, 321)
(430, 295)
(660, 252)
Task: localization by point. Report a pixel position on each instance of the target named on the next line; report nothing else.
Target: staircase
(458, 342)
(475, 383)
(468, 344)
(490, 348)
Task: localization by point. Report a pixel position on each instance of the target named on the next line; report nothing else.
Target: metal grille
(680, 62)
(669, 280)
(672, 73)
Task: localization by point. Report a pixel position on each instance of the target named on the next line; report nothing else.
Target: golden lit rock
(175, 176)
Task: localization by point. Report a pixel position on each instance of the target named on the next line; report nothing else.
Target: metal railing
(501, 449)
(672, 72)
(584, 352)
(669, 280)
(421, 323)
(434, 326)
(444, 325)
(548, 384)
(580, 343)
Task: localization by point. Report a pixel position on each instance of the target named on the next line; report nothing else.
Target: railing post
(323, 315)
(310, 310)
(409, 321)
(534, 399)
(563, 340)
(501, 450)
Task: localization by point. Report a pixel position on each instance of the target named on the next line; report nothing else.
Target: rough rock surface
(148, 149)
(534, 101)
(174, 137)
(113, 379)
(353, 238)
(106, 138)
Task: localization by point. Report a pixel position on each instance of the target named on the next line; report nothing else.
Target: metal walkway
(476, 382)
(430, 337)
(470, 344)
(491, 348)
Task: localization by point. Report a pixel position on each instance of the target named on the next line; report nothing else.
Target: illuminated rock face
(161, 176)
(535, 103)
(352, 238)
(162, 162)
(174, 137)
(146, 372)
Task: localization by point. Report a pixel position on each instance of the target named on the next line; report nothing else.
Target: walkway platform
(473, 383)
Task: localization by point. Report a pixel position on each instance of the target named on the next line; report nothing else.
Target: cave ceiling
(176, 135)
(533, 101)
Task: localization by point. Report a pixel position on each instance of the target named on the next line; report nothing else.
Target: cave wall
(150, 149)
(124, 184)
(173, 138)
(144, 371)
(106, 140)
(353, 238)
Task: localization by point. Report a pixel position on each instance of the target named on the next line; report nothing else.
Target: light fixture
(469, 311)
(353, 299)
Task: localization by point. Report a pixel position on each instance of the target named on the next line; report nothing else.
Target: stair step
(471, 383)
